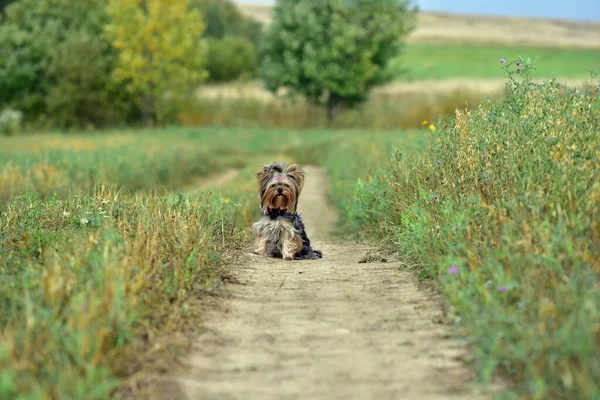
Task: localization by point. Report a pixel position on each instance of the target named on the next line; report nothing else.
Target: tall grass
(386, 110)
(502, 209)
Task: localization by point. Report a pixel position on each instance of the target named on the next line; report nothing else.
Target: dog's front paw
(260, 253)
(288, 258)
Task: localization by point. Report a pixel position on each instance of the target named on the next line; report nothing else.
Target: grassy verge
(501, 209)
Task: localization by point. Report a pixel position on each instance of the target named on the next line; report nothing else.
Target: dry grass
(456, 28)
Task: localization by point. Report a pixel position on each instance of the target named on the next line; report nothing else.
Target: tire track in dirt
(326, 329)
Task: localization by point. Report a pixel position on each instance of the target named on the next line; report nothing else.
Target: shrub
(230, 58)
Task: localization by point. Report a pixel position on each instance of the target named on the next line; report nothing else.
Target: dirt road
(326, 329)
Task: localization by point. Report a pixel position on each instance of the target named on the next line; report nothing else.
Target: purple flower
(502, 61)
(518, 69)
(435, 198)
(453, 269)
(518, 63)
(502, 289)
(439, 162)
(160, 215)
(21, 224)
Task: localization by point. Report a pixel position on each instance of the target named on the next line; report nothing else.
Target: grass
(102, 260)
(446, 61)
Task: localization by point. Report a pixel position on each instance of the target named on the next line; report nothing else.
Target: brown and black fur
(280, 231)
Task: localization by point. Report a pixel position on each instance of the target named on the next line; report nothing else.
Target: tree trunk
(333, 101)
(147, 110)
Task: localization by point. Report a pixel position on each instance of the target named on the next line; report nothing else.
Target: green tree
(333, 51)
(223, 18)
(161, 53)
(34, 36)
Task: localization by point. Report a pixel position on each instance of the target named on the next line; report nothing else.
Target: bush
(230, 58)
(503, 209)
(54, 62)
(10, 121)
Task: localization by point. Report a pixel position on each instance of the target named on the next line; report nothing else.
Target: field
(499, 213)
(458, 211)
(478, 61)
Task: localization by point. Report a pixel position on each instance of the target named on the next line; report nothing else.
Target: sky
(588, 10)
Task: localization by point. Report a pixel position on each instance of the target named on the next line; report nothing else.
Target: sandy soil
(326, 329)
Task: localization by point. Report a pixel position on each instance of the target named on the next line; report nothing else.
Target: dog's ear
(297, 174)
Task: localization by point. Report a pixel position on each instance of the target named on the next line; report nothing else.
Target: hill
(456, 28)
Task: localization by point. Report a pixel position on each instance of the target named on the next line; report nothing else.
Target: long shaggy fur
(280, 231)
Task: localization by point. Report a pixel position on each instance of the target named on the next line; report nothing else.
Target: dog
(280, 231)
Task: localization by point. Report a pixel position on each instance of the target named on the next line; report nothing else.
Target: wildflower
(439, 162)
(435, 198)
(84, 221)
(502, 61)
(432, 128)
(518, 63)
(20, 224)
(66, 213)
(424, 123)
(78, 205)
(454, 229)
(104, 201)
(502, 289)
(453, 269)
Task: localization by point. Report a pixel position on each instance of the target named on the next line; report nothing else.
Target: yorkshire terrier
(280, 231)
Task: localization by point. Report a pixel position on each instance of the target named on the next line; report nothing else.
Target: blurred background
(82, 67)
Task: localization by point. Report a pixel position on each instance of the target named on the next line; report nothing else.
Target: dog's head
(279, 186)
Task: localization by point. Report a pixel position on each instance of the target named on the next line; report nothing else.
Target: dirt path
(326, 329)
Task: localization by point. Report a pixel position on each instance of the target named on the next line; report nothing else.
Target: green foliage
(4, 4)
(445, 61)
(508, 194)
(232, 40)
(34, 35)
(222, 18)
(333, 51)
(161, 54)
(230, 58)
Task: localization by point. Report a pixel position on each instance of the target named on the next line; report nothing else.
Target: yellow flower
(424, 123)
(432, 128)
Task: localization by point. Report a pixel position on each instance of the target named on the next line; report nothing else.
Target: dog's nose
(280, 190)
